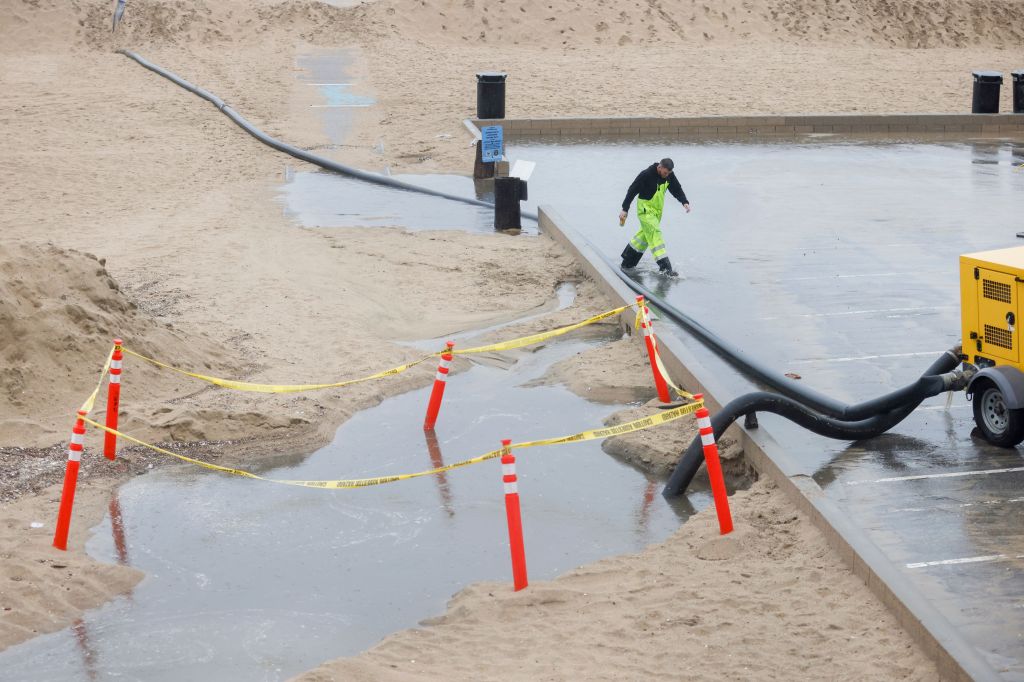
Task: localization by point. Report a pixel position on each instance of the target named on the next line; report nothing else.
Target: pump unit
(991, 287)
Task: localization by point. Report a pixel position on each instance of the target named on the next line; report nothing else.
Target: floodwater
(836, 260)
(248, 580)
(324, 199)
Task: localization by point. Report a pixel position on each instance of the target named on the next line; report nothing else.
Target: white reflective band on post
(511, 488)
(115, 378)
(444, 364)
(704, 422)
(508, 469)
(75, 453)
(707, 439)
(115, 364)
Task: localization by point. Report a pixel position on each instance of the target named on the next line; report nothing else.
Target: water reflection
(84, 646)
(117, 529)
(323, 199)
(436, 462)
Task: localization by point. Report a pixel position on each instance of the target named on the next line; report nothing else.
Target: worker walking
(649, 189)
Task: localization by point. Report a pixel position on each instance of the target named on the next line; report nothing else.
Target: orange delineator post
(434, 406)
(645, 324)
(714, 465)
(113, 401)
(515, 521)
(67, 496)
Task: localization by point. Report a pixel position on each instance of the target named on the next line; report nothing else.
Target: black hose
(300, 153)
(935, 380)
(754, 369)
(805, 406)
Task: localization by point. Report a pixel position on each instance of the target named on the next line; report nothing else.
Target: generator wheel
(1000, 425)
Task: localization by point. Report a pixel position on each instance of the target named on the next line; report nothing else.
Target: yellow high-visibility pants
(649, 236)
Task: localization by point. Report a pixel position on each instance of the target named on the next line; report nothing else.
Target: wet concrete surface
(254, 581)
(836, 260)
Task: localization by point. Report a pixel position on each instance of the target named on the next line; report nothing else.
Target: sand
(133, 209)
(768, 602)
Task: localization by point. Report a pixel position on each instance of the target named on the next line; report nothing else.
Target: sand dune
(571, 24)
(890, 23)
(59, 311)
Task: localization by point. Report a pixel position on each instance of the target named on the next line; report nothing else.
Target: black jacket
(646, 184)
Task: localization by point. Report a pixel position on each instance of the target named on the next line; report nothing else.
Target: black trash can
(1018, 91)
(490, 94)
(986, 92)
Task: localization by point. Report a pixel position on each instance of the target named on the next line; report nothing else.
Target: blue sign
(493, 147)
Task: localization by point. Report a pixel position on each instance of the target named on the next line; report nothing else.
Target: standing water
(247, 580)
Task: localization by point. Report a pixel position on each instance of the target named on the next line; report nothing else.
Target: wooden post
(482, 170)
(506, 204)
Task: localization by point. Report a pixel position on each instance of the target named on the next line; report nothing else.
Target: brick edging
(739, 126)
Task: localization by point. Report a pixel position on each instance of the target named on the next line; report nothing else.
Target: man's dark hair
(667, 163)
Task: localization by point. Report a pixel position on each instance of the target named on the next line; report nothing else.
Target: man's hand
(687, 207)
(622, 217)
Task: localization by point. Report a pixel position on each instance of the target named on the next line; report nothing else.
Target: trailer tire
(1001, 426)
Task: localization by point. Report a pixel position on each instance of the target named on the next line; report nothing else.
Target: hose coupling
(958, 379)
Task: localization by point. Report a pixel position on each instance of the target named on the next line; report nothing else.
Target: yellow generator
(991, 286)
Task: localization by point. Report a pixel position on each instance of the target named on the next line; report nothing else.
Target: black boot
(630, 257)
(665, 265)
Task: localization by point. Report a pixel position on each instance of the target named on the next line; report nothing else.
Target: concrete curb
(732, 127)
(955, 657)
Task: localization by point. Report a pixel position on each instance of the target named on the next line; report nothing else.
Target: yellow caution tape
(664, 372)
(277, 388)
(90, 402)
(653, 420)
(629, 427)
(297, 388)
(543, 336)
(642, 317)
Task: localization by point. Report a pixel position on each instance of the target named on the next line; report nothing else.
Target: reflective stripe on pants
(649, 235)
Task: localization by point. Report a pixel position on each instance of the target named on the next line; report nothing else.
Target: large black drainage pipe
(300, 153)
(759, 372)
(936, 379)
(808, 408)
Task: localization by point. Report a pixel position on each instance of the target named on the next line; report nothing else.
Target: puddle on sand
(565, 295)
(324, 199)
(254, 581)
